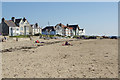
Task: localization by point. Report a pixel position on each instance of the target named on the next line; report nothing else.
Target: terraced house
(15, 27)
(60, 29)
(69, 30)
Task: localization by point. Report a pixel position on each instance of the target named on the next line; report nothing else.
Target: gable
(21, 22)
(58, 27)
(26, 22)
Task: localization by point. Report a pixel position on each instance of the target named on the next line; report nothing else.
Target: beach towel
(37, 41)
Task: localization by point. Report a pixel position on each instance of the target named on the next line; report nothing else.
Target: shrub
(38, 34)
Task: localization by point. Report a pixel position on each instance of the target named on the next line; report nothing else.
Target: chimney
(24, 19)
(36, 24)
(67, 25)
(3, 19)
(60, 24)
(13, 19)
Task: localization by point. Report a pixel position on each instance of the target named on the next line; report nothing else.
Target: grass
(20, 36)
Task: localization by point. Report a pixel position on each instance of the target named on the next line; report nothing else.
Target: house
(49, 30)
(74, 30)
(25, 28)
(9, 28)
(69, 30)
(19, 26)
(60, 29)
(81, 31)
(36, 29)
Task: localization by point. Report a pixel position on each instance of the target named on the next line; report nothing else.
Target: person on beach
(30, 38)
(40, 37)
(2, 40)
(5, 38)
(16, 38)
(66, 43)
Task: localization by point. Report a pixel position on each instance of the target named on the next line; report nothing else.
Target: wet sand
(85, 59)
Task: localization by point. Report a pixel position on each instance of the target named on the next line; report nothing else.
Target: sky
(97, 18)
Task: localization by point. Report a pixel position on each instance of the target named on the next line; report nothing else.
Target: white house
(14, 31)
(68, 30)
(60, 29)
(36, 29)
(81, 31)
(25, 28)
(74, 30)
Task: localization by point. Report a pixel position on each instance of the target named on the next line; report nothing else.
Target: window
(21, 33)
(13, 29)
(21, 28)
(27, 28)
(27, 33)
(21, 22)
(17, 29)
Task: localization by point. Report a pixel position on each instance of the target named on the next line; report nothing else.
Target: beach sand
(85, 59)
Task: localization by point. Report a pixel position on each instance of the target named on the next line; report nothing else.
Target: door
(24, 30)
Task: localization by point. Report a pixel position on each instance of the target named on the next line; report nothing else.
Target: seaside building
(21, 26)
(49, 30)
(60, 29)
(25, 28)
(36, 29)
(9, 28)
(81, 31)
(15, 27)
(74, 30)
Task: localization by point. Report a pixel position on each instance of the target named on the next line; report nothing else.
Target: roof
(18, 20)
(49, 28)
(10, 23)
(81, 29)
(70, 27)
(34, 26)
(31, 25)
(60, 24)
(24, 19)
(73, 26)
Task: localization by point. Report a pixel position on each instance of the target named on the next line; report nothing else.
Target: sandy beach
(85, 59)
